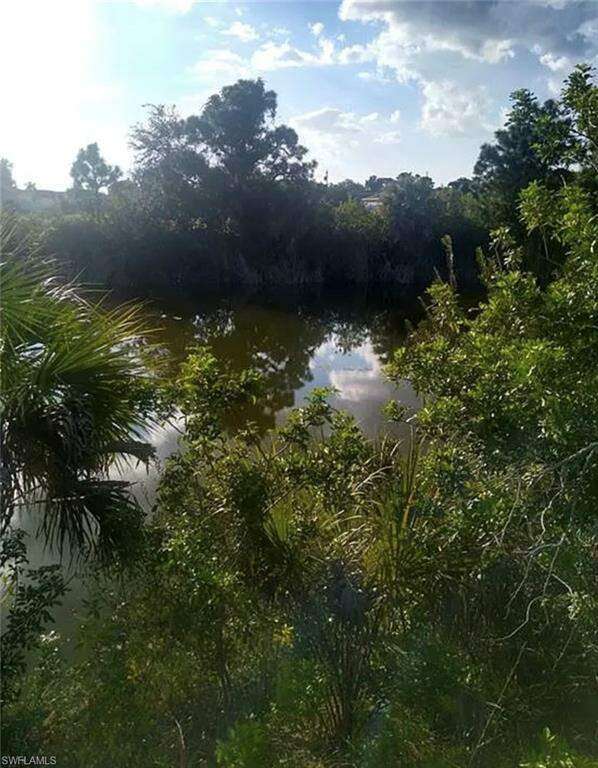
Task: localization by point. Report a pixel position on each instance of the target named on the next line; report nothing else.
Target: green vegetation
(91, 175)
(75, 398)
(315, 599)
(227, 198)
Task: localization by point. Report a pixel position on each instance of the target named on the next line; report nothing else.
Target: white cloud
(418, 42)
(276, 31)
(452, 111)
(327, 55)
(589, 29)
(212, 21)
(393, 52)
(487, 32)
(395, 116)
(413, 49)
(338, 138)
(561, 66)
(556, 63)
(389, 137)
(495, 51)
(271, 56)
(219, 67)
(244, 32)
(334, 121)
(559, 4)
(355, 54)
(376, 76)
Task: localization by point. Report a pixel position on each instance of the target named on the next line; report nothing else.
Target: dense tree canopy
(227, 198)
(237, 129)
(234, 135)
(512, 161)
(570, 138)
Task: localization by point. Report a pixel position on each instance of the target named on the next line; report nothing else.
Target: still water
(297, 345)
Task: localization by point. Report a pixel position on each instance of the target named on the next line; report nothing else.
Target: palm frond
(75, 395)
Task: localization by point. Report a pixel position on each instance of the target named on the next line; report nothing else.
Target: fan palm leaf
(75, 395)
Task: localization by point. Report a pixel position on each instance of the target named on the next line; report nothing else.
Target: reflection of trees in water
(359, 318)
(278, 344)
(278, 338)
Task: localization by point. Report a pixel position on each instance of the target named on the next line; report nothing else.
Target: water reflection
(296, 347)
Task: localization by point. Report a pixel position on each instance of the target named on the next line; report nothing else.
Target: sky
(371, 86)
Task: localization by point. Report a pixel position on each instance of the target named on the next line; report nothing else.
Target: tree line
(228, 198)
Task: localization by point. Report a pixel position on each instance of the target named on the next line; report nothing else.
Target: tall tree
(463, 185)
(234, 135)
(229, 172)
(570, 138)
(237, 129)
(413, 212)
(412, 208)
(91, 173)
(343, 191)
(512, 162)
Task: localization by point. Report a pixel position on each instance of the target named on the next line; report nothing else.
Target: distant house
(34, 200)
(372, 203)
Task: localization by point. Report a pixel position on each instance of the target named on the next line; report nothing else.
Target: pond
(298, 344)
